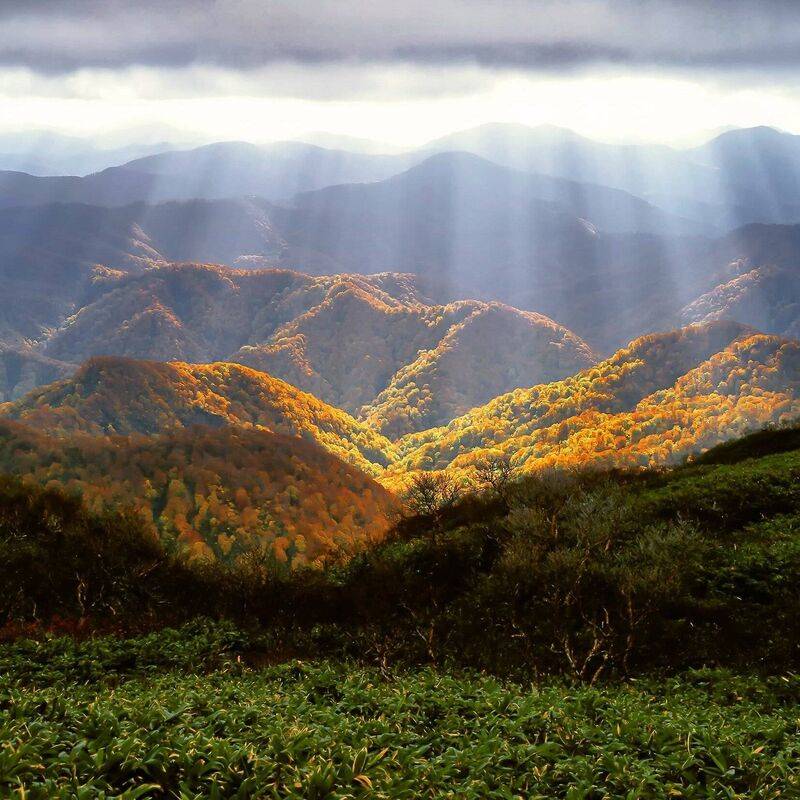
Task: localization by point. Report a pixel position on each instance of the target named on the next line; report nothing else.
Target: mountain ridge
(341, 337)
(590, 417)
(111, 395)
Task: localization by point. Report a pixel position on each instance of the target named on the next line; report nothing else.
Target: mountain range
(657, 401)
(219, 457)
(261, 343)
(44, 153)
(739, 177)
(80, 281)
(367, 344)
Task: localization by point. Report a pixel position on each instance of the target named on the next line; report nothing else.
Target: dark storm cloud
(63, 35)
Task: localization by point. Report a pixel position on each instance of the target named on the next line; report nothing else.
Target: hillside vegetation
(663, 398)
(123, 396)
(211, 494)
(589, 574)
(404, 669)
(114, 718)
(344, 338)
(494, 349)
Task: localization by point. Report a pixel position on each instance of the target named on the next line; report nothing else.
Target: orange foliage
(211, 493)
(119, 395)
(655, 402)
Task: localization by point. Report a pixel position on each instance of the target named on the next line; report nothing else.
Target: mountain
(758, 244)
(759, 284)
(755, 178)
(470, 228)
(115, 186)
(45, 153)
(406, 366)
(760, 169)
(53, 258)
(656, 401)
(344, 338)
(276, 171)
(739, 177)
(606, 288)
(464, 226)
(24, 369)
(460, 188)
(222, 170)
(196, 312)
(442, 221)
(646, 170)
(123, 396)
(139, 235)
(351, 144)
(496, 347)
(767, 297)
(212, 494)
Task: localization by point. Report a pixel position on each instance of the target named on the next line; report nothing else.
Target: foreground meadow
(181, 714)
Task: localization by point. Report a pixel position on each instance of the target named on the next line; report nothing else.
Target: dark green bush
(587, 574)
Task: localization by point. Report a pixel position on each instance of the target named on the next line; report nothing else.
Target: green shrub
(586, 574)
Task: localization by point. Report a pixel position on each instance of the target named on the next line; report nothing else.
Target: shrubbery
(587, 574)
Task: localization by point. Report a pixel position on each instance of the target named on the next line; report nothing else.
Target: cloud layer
(58, 36)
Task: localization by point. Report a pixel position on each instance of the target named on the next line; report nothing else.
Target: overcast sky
(669, 70)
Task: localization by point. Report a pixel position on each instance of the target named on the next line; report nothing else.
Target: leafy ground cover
(179, 714)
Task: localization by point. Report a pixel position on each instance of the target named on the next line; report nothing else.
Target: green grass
(178, 715)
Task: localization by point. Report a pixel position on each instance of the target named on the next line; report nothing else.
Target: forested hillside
(659, 400)
(404, 368)
(663, 398)
(23, 369)
(493, 350)
(123, 396)
(211, 494)
(344, 338)
(589, 575)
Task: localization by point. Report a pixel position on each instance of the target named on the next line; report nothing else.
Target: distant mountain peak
(760, 134)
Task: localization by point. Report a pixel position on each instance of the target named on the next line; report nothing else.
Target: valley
(399, 401)
(505, 296)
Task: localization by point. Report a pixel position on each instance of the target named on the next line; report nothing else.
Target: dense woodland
(211, 493)
(586, 574)
(109, 395)
(663, 398)
(215, 457)
(344, 338)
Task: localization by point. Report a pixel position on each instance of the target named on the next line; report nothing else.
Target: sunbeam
(399, 399)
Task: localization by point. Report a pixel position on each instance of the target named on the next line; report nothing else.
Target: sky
(674, 71)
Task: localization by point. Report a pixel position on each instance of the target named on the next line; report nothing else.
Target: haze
(672, 72)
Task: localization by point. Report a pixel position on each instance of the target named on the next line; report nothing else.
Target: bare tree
(494, 474)
(430, 494)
